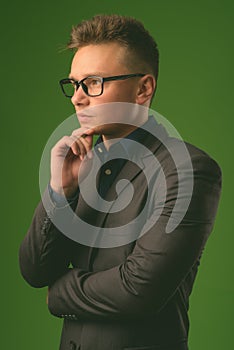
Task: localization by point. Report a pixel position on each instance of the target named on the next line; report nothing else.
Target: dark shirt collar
(123, 147)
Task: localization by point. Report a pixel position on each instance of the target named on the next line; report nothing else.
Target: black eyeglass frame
(85, 88)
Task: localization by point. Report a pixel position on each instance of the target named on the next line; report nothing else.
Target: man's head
(141, 52)
(108, 46)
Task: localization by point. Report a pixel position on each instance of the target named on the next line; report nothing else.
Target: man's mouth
(83, 116)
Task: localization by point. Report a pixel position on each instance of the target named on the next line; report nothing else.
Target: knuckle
(77, 132)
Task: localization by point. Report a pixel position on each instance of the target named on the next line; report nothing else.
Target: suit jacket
(133, 296)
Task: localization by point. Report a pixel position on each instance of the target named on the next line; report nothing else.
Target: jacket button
(73, 345)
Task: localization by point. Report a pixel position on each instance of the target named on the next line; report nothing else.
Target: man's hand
(66, 158)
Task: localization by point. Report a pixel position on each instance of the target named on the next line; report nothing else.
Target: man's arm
(44, 252)
(158, 264)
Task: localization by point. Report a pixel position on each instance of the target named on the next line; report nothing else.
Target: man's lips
(82, 115)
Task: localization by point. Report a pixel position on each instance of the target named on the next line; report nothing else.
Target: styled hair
(142, 52)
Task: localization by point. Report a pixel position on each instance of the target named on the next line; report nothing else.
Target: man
(126, 291)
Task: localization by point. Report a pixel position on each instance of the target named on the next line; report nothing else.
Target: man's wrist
(60, 199)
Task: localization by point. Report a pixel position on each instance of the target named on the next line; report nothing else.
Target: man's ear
(147, 85)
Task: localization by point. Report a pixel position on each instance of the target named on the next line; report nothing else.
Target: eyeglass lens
(91, 85)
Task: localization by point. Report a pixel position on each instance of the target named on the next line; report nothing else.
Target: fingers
(66, 157)
(79, 143)
(82, 143)
(84, 133)
(79, 147)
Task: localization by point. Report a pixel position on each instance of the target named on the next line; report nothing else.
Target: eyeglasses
(92, 85)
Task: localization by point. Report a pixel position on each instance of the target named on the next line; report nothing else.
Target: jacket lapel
(130, 173)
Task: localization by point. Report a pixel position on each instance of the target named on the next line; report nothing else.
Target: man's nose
(79, 97)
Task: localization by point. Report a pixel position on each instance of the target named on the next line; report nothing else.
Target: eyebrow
(99, 74)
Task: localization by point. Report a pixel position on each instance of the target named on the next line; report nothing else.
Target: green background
(195, 92)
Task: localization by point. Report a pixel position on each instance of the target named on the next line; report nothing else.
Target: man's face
(103, 60)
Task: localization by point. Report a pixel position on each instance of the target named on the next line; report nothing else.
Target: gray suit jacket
(135, 295)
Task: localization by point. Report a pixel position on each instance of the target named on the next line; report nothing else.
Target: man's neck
(109, 140)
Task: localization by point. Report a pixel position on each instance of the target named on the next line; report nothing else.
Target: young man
(129, 290)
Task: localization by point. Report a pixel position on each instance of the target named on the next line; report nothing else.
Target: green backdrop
(195, 92)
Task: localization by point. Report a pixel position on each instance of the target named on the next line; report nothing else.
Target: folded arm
(44, 252)
(158, 264)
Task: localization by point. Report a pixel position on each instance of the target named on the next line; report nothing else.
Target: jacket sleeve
(151, 274)
(44, 252)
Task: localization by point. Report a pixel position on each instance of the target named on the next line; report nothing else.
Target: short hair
(142, 51)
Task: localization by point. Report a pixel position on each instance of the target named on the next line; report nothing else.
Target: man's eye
(93, 82)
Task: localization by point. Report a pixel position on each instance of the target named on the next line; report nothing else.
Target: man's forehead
(97, 59)
(73, 76)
